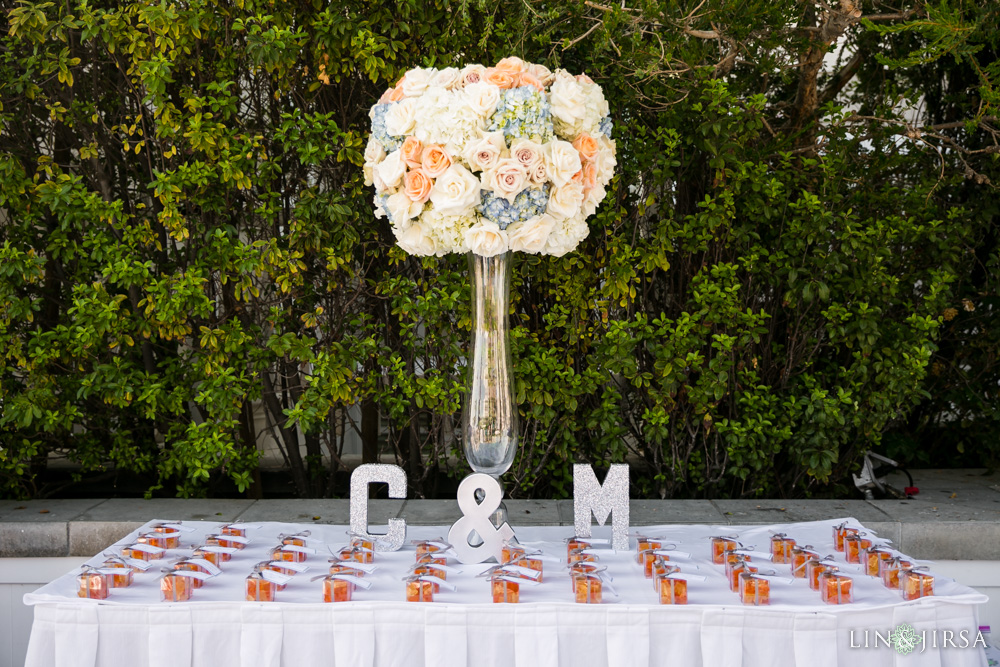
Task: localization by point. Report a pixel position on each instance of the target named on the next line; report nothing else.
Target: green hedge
(185, 234)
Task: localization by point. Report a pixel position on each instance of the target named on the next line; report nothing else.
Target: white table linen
(218, 628)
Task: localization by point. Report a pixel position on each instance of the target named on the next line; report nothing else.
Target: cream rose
(456, 191)
(506, 179)
(401, 118)
(482, 98)
(447, 78)
(530, 235)
(566, 236)
(486, 239)
(416, 81)
(391, 169)
(605, 159)
(486, 152)
(374, 152)
(592, 199)
(527, 152)
(402, 209)
(542, 73)
(416, 241)
(569, 104)
(562, 161)
(537, 174)
(565, 201)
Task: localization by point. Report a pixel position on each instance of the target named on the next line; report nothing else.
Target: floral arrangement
(490, 159)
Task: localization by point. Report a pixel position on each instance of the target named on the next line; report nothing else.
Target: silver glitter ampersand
(373, 473)
(476, 518)
(589, 497)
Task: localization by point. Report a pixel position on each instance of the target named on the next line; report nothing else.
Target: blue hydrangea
(527, 204)
(606, 126)
(381, 134)
(523, 113)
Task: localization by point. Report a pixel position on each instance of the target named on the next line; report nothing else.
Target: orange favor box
(648, 558)
(890, 570)
(142, 551)
(736, 571)
(915, 584)
(172, 535)
(839, 533)
(260, 589)
(754, 590)
(781, 548)
(122, 577)
(817, 568)
(645, 544)
(176, 587)
(853, 546)
(872, 558)
(801, 556)
(582, 568)
(673, 591)
(587, 588)
(504, 589)
(186, 565)
(281, 553)
(93, 584)
(431, 546)
(836, 588)
(720, 545)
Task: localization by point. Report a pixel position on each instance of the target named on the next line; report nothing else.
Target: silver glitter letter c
(373, 473)
(611, 499)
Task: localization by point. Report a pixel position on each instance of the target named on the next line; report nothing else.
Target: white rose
(527, 152)
(486, 239)
(402, 209)
(482, 98)
(415, 82)
(486, 152)
(374, 152)
(569, 104)
(562, 161)
(593, 198)
(456, 191)
(391, 169)
(446, 78)
(416, 241)
(565, 201)
(566, 236)
(530, 235)
(506, 179)
(380, 186)
(401, 117)
(605, 160)
(379, 211)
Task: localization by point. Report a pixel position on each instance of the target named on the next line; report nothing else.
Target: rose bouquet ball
(490, 159)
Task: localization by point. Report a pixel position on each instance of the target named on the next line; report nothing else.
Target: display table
(218, 628)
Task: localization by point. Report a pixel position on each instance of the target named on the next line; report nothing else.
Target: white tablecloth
(217, 628)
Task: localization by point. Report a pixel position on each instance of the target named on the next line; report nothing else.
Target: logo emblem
(905, 639)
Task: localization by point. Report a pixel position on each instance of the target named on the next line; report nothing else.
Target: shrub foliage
(797, 256)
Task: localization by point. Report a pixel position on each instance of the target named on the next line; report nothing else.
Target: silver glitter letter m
(612, 498)
(373, 473)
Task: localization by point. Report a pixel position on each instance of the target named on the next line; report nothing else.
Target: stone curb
(955, 517)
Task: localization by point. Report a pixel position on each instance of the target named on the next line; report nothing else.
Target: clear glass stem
(489, 418)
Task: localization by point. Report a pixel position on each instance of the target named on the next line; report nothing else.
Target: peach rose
(528, 79)
(435, 160)
(589, 176)
(512, 65)
(542, 73)
(578, 177)
(583, 78)
(586, 145)
(410, 151)
(499, 79)
(396, 94)
(417, 185)
(385, 99)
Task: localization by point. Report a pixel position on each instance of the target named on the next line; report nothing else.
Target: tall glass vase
(489, 418)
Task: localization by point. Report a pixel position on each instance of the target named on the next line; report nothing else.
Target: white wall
(17, 577)
(23, 575)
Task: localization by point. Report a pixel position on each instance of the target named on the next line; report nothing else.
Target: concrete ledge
(956, 516)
